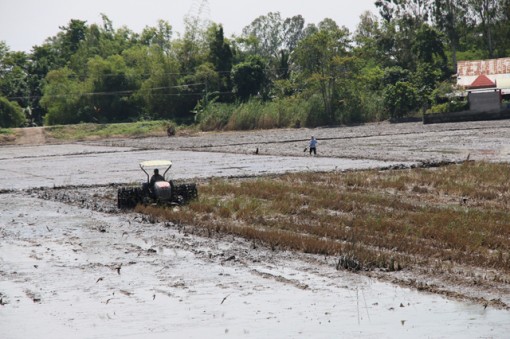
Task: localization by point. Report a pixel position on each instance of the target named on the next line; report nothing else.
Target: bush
(303, 110)
(451, 106)
(215, 116)
(255, 114)
(443, 93)
(11, 114)
(315, 114)
(247, 116)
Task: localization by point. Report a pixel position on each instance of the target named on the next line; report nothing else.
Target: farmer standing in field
(313, 145)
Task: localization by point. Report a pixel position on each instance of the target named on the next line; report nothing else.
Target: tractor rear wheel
(184, 193)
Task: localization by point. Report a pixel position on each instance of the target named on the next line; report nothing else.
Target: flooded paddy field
(73, 265)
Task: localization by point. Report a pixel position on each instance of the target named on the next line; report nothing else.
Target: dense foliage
(11, 115)
(280, 72)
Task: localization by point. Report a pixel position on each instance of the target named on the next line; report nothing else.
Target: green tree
(58, 49)
(503, 29)
(103, 41)
(369, 88)
(11, 114)
(272, 34)
(400, 99)
(428, 46)
(414, 12)
(431, 63)
(324, 61)
(191, 49)
(64, 98)
(212, 82)
(93, 45)
(160, 36)
(485, 13)
(274, 39)
(249, 77)
(448, 16)
(395, 74)
(71, 37)
(402, 19)
(43, 59)
(220, 56)
(112, 84)
(165, 94)
(366, 37)
(14, 77)
(425, 80)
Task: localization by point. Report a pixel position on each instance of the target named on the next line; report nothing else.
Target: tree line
(279, 72)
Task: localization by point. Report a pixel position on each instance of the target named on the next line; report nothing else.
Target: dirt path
(31, 136)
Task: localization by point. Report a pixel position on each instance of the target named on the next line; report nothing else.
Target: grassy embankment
(6, 135)
(100, 131)
(392, 219)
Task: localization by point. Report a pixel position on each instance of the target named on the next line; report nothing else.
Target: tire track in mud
(281, 279)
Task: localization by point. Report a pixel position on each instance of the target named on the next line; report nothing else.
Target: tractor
(157, 190)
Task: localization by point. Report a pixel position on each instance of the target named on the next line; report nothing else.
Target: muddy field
(407, 142)
(73, 265)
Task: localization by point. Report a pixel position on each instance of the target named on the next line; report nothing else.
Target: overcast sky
(25, 23)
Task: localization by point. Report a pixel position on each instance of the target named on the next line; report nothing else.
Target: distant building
(484, 75)
(482, 82)
(486, 85)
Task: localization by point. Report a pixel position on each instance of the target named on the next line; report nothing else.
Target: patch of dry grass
(387, 219)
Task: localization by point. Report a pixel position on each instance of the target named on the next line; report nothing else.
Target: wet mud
(73, 265)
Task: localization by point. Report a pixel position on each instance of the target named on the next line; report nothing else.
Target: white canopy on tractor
(155, 164)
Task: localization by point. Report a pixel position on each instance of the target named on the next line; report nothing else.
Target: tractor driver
(156, 177)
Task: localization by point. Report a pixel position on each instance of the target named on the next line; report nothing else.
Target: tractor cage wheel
(129, 197)
(183, 193)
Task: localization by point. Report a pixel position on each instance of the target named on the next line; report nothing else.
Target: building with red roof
(484, 74)
(482, 82)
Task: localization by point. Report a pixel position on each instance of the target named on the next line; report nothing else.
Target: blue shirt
(313, 143)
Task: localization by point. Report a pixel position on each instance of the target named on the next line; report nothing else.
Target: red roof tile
(482, 82)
